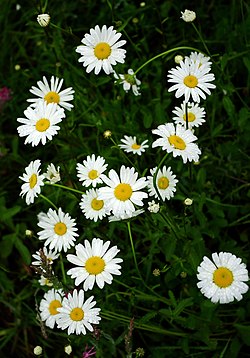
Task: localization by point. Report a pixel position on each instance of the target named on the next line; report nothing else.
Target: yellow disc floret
(97, 204)
(223, 277)
(177, 142)
(123, 192)
(60, 228)
(42, 125)
(190, 81)
(93, 174)
(53, 307)
(163, 183)
(33, 181)
(52, 97)
(95, 265)
(77, 314)
(102, 50)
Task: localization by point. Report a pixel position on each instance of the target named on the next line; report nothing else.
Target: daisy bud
(43, 20)
(178, 59)
(107, 134)
(68, 349)
(188, 15)
(28, 233)
(188, 201)
(153, 207)
(38, 350)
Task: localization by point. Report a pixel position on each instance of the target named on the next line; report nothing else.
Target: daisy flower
(129, 81)
(200, 58)
(49, 255)
(95, 263)
(100, 49)
(49, 305)
(165, 182)
(222, 279)
(92, 207)
(90, 173)
(126, 216)
(124, 191)
(77, 315)
(177, 141)
(196, 115)
(51, 93)
(130, 145)
(52, 174)
(59, 230)
(191, 79)
(33, 181)
(40, 123)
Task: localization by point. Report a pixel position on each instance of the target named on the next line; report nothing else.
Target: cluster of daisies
(117, 195)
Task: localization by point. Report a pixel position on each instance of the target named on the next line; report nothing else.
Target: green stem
(163, 54)
(64, 187)
(133, 248)
(201, 38)
(63, 270)
(49, 201)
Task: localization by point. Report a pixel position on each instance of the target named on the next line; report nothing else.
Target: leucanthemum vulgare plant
(131, 252)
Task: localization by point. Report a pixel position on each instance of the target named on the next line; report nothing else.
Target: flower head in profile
(33, 181)
(195, 115)
(126, 216)
(200, 58)
(40, 123)
(49, 305)
(96, 263)
(52, 93)
(123, 191)
(223, 278)
(177, 140)
(59, 230)
(52, 174)
(129, 81)
(130, 145)
(44, 255)
(76, 314)
(165, 182)
(188, 15)
(101, 50)
(91, 171)
(92, 207)
(191, 80)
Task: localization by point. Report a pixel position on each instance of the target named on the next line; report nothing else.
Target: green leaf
(24, 252)
(244, 332)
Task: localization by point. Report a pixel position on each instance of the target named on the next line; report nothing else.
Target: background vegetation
(170, 317)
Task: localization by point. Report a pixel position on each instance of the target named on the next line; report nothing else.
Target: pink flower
(5, 94)
(88, 353)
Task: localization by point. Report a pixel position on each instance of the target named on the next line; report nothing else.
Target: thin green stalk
(201, 38)
(133, 165)
(133, 248)
(64, 187)
(49, 201)
(63, 270)
(163, 54)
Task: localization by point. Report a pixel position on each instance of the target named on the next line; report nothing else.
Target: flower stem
(163, 54)
(49, 201)
(65, 187)
(133, 248)
(63, 270)
(201, 38)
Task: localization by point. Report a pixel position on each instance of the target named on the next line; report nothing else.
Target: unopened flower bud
(178, 59)
(188, 201)
(188, 15)
(43, 20)
(38, 350)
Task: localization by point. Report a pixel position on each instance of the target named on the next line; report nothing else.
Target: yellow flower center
(77, 314)
(191, 117)
(53, 307)
(42, 125)
(163, 183)
(190, 81)
(177, 142)
(97, 204)
(223, 277)
(102, 50)
(94, 265)
(136, 146)
(52, 97)
(123, 192)
(33, 181)
(60, 228)
(93, 174)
